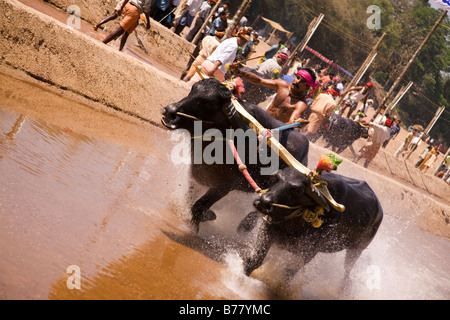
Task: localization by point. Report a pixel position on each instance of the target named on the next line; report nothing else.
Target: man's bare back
(289, 101)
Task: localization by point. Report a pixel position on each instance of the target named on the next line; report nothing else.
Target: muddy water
(99, 192)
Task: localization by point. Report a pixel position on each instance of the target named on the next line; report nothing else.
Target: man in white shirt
(225, 53)
(351, 100)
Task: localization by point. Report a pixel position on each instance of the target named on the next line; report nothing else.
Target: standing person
(248, 47)
(190, 10)
(429, 160)
(132, 10)
(377, 135)
(225, 53)
(425, 153)
(321, 109)
(224, 7)
(393, 133)
(341, 86)
(201, 17)
(352, 100)
(289, 104)
(403, 149)
(220, 25)
(271, 68)
(446, 176)
(207, 47)
(117, 13)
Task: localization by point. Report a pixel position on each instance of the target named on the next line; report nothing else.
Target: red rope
(243, 167)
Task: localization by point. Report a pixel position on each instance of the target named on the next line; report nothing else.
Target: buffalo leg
(351, 256)
(200, 209)
(263, 243)
(249, 222)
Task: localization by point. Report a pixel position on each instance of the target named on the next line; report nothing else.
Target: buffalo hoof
(205, 216)
(248, 223)
(208, 216)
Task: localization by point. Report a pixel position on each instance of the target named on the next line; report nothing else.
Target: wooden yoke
(285, 155)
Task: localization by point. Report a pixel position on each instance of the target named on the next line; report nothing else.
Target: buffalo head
(290, 191)
(205, 102)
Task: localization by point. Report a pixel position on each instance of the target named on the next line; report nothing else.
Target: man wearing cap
(288, 105)
(225, 53)
(271, 68)
(351, 101)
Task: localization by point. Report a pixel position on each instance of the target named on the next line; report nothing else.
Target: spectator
(189, 12)
(271, 68)
(225, 53)
(403, 149)
(201, 17)
(132, 11)
(220, 25)
(393, 132)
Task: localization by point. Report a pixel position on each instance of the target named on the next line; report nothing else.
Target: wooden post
(301, 46)
(237, 17)
(199, 33)
(428, 128)
(398, 97)
(362, 70)
(402, 74)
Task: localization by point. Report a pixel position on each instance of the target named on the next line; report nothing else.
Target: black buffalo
(342, 132)
(352, 229)
(210, 102)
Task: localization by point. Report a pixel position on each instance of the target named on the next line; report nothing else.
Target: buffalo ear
(314, 193)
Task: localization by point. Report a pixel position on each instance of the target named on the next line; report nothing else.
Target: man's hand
(234, 67)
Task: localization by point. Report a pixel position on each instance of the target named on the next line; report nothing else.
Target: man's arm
(217, 64)
(300, 107)
(123, 6)
(254, 79)
(351, 90)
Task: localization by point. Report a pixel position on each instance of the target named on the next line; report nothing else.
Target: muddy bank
(66, 58)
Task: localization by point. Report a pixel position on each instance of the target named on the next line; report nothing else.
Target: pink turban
(309, 80)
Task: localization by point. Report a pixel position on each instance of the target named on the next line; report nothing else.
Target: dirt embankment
(54, 53)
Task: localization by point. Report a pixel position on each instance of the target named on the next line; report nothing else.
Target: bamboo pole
(314, 24)
(200, 32)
